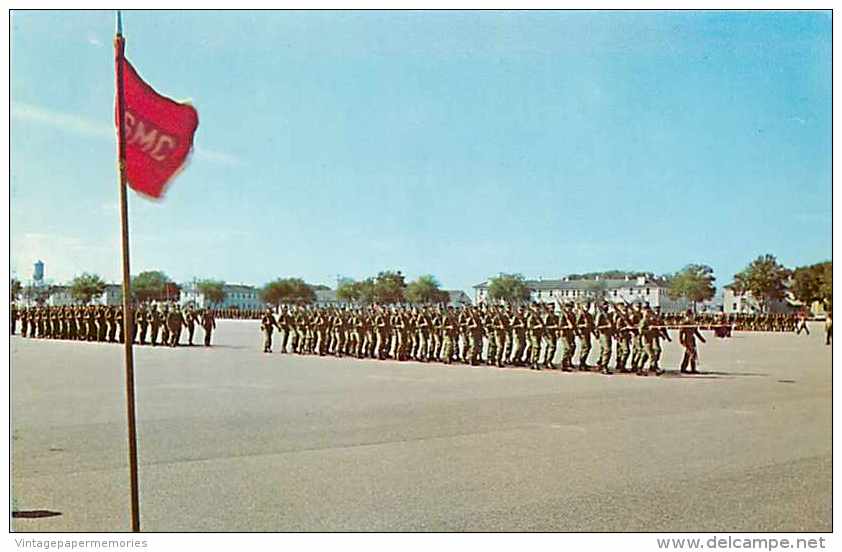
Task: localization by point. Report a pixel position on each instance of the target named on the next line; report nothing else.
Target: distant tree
(826, 287)
(302, 292)
(694, 283)
(83, 288)
(213, 290)
(367, 291)
(389, 287)
(153, 285)
(276, 292)
(349, 291)
(15, 289)
(813, 283)
(607, 275)
(509, 288)
(426, 290)
(764, 278)
(319, 287)
(806, 284)
(288, 290)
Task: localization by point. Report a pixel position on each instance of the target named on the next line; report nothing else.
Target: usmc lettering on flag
(153, 141)
(158, 134)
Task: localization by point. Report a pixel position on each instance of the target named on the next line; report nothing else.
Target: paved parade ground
(231, 439)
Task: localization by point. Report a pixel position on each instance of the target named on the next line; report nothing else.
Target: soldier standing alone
(828, 328)
(687, 337)
(208, 324)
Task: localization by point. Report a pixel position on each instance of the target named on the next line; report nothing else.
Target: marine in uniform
(687, 337)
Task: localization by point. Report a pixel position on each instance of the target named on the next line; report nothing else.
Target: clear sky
(460, 144)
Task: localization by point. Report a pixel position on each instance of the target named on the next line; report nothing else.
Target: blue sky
(460, 144)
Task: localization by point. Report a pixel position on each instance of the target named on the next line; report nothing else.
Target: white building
(326, 298)
(458, 298)
(60, 296)
(642, 289)
(111, 295)
(239, 296)
(737, 302)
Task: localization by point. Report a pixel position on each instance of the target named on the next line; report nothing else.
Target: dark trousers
(689, 358)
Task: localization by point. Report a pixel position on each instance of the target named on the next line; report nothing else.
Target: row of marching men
(154, 324)
(503, 335)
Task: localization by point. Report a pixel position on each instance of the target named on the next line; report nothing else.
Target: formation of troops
(153, 323)
(624, 338)
(628, 336)
(238, 314)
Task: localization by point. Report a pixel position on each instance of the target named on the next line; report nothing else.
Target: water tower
(38, 275)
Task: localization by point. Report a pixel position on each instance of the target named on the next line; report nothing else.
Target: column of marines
(537, 336)
(153, 324)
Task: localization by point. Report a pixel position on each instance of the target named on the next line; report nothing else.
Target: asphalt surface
(231, 439)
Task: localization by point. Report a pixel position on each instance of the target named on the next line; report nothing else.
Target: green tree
(83, 288)
(813, 283)
(426, 290)
(367, 291)
(826, 287)
(389, 287)
(287, 290)
(764, 278)
(349, 291)
(15, 289)
(213, 290)
(806, 284)
(607, 275)
(694, 283)
(386, 288)
(152, 285)
(509, 288)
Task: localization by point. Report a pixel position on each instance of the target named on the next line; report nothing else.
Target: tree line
(388, 287)
(153, 285)
(765, 278)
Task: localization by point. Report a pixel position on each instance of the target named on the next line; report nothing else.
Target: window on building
(647, 291)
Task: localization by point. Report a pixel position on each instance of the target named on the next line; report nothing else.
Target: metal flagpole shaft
(128, 317)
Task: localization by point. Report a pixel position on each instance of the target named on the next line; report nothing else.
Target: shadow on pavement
(34, 514)
(710, 374)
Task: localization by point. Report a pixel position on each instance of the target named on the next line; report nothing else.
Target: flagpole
(128, 317)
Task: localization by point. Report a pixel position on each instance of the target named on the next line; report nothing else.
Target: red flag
(158, 134)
